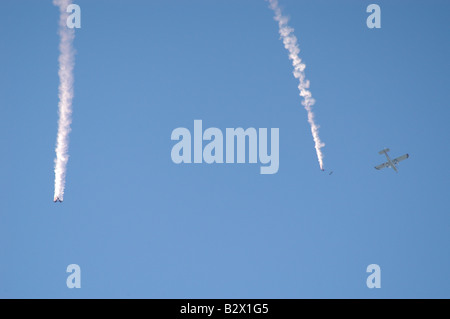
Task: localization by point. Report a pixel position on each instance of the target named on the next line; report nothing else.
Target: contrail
(65, 91)
(290, 43)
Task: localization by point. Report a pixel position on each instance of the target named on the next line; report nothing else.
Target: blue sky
(140, 226)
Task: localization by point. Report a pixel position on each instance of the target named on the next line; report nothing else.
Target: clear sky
(140, 226)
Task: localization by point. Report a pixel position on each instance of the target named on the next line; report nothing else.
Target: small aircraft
(391, 163)
(56, 199)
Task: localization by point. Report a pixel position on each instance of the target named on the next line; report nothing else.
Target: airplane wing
(382, 165)
(399, 159)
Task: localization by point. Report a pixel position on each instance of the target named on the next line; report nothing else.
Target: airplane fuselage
(390, 162)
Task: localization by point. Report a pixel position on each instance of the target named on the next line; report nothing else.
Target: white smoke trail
(65, 72)
(290, 43)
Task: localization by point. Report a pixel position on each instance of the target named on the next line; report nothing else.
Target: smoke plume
(290, 43)
(65, 72)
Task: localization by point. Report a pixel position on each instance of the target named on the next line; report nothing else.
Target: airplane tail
(384, 151)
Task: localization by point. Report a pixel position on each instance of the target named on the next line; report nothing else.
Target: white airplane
(391, 163)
